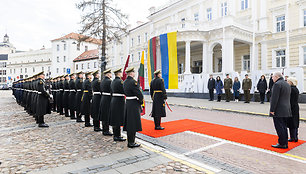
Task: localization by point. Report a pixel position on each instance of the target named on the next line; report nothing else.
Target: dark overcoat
(72, 93)
(158, 95)
(262, 86)
(219, 87)
(96, 99)
(42, 99)
(294, 121)
(105, 88)
(59, 97)
(66, 94)
(211, 83)
(79, 94)
(280, 99)
(132, 121)
(86, 98)
(117, 105)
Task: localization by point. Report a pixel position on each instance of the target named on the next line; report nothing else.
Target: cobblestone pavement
(26, 148)
(253, 107)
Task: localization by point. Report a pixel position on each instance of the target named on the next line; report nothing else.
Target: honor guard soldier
(246, 86)
(86, 99)
(61, 94)
(54, 90)
(134, 100)
(58, 94)
(72, 93)
(78, 97)
(35, 97)
(105, 101)
(95, 105)
(42, 100)
(158, 95)
(228, 83)
(66, 96)
(117, 105)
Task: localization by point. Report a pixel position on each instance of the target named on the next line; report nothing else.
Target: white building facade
(6, 48)
(26, 64)
(223, 36)
(66, 49)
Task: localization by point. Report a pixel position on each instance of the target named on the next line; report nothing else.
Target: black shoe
(97, 129)
(159, 128)
(133, 145)
(227, 101)
(79, 121)
(262, 103)
(61, 113)
(280, 146)
(246, 102)
(119, 139)
(67, 116)
(72, 118)
(293, 140)
(43, 125)
(107, 133)
(88, 125)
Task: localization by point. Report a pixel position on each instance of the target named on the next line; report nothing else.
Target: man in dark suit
(271, 83)
(280, 109)
(211, 87)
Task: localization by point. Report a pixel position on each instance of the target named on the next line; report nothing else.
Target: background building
(65, 49)
(88, 61)
(25, 64)
(257, 37)
(6, 48)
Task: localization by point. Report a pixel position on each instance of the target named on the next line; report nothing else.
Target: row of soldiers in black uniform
(115, 103)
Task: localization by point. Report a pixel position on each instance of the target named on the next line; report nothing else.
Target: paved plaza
(69, 147)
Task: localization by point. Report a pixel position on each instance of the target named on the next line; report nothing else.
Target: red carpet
(251, 138)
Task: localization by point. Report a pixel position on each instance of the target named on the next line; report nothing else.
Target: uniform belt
(85, 90)
(66, 90)
(61, 90)
(79, 90)
(105, 93)
(132, 98)
(72, 90)
(118, 95)
(38, 92)
(97, 93)
(158, 91)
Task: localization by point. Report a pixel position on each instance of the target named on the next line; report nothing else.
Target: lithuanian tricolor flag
(151, 58)
(141, 72)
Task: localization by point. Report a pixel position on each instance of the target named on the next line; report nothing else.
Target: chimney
(152, 10)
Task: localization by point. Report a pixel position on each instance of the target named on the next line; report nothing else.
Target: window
(304, 54)
(57, 59)
(42, 69)
(25, 70)
(246, 63)
(244, 4)
(304, 18)
(57, 47)
(20, 70)
(4, 73)
(64, 58)
(33, 69)
(10, 71)
(139, 40)
(224, 9)
(78, 47)
(146, 52)
(88, 65)
(86, 48)
(209, 14)
(95, 64)
(49, 69)
(280, 23)
(139, 56)
(132, 58)
(280, 59)
(121, 59)
(183, 22)
(57, 70)
(196, 17)
(64, 70)
(76, 66)
(82, 66)
(14, 71)
(146, 37)
(64, 46)
(132, 42)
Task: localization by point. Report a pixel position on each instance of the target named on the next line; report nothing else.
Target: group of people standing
(234, 87)
(115, 102)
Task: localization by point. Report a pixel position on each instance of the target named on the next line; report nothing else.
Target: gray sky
(31, 24)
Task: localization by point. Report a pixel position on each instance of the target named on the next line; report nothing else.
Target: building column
(205, 62)
(187, 58)
(228, 55)
(264, 56)
(254, 57)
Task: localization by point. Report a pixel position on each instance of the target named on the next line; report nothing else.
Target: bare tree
(102, 19)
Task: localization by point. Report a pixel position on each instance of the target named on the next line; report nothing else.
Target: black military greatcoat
(59, 97)
(87, 96)
(95, 84)
(132, 122)
(117, 105)
(105, 88)
(42, 98)
(72, 94)
(158, 95)
(66, 94)
(79, 94)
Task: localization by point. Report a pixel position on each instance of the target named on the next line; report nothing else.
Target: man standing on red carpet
(280, 109)
(158, 95)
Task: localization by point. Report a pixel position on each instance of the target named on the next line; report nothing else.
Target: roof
(77, 36)
(3, 57)
(87, 55)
